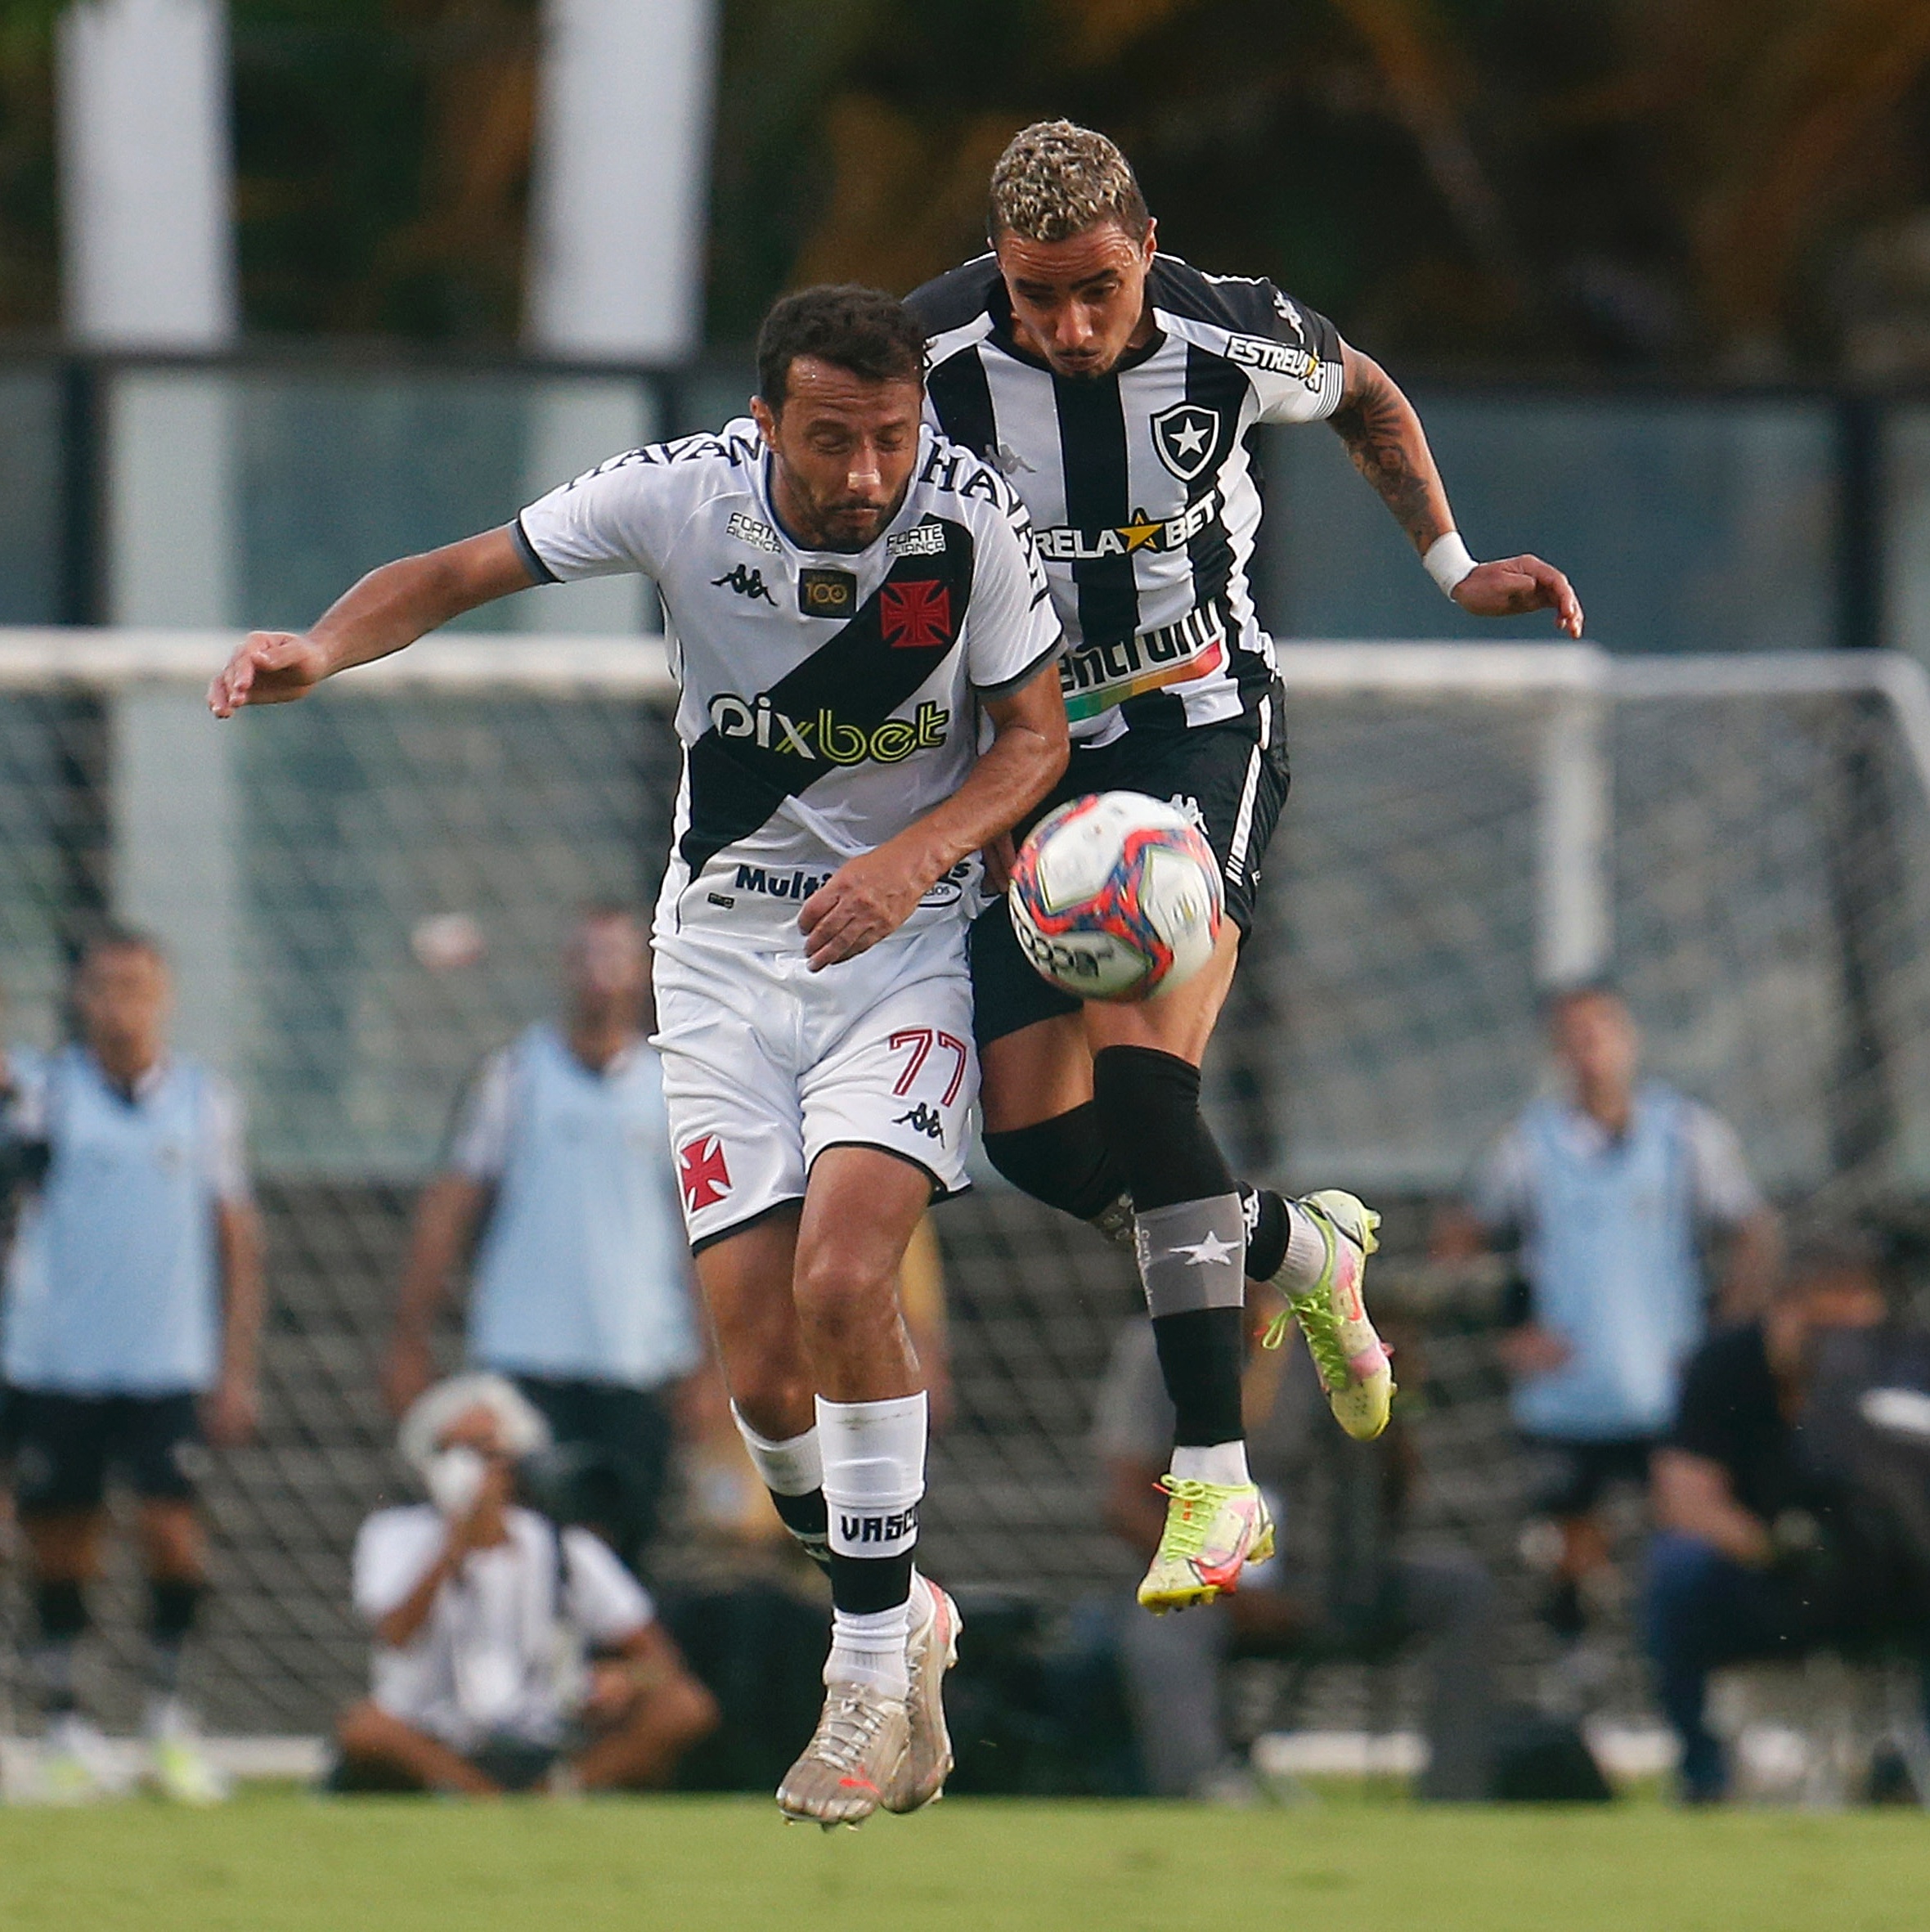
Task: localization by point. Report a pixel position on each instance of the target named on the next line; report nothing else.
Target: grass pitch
(294, 1864)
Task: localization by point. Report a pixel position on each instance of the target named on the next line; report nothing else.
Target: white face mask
(454, 1480)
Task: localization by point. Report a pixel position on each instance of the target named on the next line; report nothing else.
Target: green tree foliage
(1567, 182)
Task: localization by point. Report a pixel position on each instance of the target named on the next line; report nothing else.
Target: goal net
(365, 892)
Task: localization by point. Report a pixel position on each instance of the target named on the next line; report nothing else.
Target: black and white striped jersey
(1139, 481)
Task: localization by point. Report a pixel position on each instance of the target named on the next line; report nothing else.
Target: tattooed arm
(1389, 447)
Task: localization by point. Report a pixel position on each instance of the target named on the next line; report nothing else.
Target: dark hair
(871, 334)
(111, 937)
(1600, 985)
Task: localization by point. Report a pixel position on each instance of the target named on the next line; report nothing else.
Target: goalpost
(365, 891)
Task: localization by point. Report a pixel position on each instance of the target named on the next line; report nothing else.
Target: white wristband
(1447, 561)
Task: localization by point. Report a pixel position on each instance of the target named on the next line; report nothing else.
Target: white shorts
(766, 1063)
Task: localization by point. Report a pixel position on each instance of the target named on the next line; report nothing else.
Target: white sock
(868, 1648)
(1306, 1249)
(1224, 1463)
(874, 1474)
(792, 1467)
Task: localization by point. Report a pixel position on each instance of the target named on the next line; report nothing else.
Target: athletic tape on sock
(792, 1467)
(1192, 1255)
(874, 1473)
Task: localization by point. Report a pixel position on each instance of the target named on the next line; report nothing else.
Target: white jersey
(1139, 481)
(829, 698)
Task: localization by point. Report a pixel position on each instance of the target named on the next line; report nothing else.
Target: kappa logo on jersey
(921, 540)
(826, 738)
(827, 593)
(702, 1172)
(747, 582)
(1063, 543)
(916, 616)
(761, 536)
(923, 1118)
(1277, 358)
(1186, 436)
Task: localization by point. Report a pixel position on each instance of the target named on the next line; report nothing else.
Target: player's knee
(1063, 1161)
(174, 1545)
(63, 1557)
(841, 1296)
(364, 1731)
(686, 1711)
(775, 1397)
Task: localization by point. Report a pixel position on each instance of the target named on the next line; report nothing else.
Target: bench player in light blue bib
(1609, 1188)
(132, 1313)
(561, 1157)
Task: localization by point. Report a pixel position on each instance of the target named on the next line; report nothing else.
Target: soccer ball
(1116, 896)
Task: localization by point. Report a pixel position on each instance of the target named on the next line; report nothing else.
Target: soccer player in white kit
(854, 603)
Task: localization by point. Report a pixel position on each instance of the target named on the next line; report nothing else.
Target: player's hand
(1514, 586)
(612, 1690)
(232, 1414)
(271, 668)
(470, 1530)
(866, 900)
(999, 858)
(1532, 1350)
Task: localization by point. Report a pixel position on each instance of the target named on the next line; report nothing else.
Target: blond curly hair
(1056, 179)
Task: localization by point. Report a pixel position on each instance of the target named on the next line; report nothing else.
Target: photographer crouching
(509, 1654)
(1793, 1515)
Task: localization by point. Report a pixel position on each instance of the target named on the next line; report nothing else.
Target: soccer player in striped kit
(1115, 389)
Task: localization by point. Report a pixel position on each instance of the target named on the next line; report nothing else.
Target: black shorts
(1238, 788)
(1570, 1477)
(65, 1446)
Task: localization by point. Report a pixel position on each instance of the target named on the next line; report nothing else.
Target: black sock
(60, 1611)
(808, 1520)
(1266, 1231)
(172, 1602)
(1201, 1352)
(1064, 1161)
(1184, 1198)
(865, 1585)
(1148, 1108)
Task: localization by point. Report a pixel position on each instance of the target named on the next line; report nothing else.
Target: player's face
(1594, 1034)
(1078, 305)
(609, 965)
(121, 1000)
(476, 1429)
(843, 449)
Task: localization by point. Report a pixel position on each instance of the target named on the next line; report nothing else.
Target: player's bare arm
(870, 897)
(448, 1213)
(388, 609)
(1385, 438)
(234, 1406)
